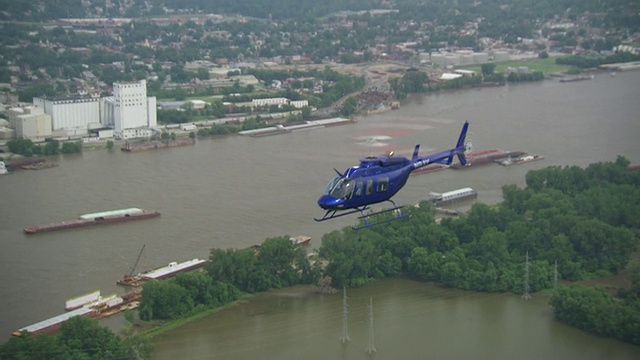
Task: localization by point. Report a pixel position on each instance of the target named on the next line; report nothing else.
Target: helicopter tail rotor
(462, 145)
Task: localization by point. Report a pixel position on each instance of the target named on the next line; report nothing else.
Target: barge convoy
(105, 217)
(95, 306)
(90, 305)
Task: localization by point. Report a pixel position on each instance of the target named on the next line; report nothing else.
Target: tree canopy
(79, 338)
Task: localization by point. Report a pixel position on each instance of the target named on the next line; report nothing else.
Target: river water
(236, 191)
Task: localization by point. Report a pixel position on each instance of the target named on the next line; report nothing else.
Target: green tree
(164, 300)
(488, 68)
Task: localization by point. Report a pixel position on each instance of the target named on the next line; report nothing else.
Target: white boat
(459, 194)
(3, 168)
(300, 239)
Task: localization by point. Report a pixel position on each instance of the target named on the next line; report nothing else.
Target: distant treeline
(587, 62)
(28, 148)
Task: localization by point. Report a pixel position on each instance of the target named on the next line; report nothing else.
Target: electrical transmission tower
(345, 323)
(371, 348)
(525, 293)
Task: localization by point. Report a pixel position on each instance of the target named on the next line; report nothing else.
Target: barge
(288, 128)
(96, 309)
(82, 300)
(428, 169)
(488, 157)
(18, 164)
(519, 160)
(164, 272)
(157, 145)
(446, 197)
(39, 166)
(105, 217)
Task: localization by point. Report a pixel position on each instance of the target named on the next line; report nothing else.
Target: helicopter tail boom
(443, 157)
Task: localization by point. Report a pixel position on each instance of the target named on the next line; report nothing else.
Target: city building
(70, 115)
(29, 122)
(129, 111)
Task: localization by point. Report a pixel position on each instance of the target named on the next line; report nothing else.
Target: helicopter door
(369, 187)
(358, 189)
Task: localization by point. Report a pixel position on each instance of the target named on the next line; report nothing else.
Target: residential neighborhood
(231, 63)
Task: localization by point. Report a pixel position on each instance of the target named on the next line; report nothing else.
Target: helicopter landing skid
(333, 214)
(396, 209)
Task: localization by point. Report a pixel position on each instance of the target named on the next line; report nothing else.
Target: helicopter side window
(358, 191)
(383, 184)
(369, 188)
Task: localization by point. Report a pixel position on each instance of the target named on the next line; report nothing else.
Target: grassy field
(547, 66)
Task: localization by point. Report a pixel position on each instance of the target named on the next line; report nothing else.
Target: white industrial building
(30, 122)
(299, 103)
(129, 113)
(269, 102)
(71, 115)
(459, 57)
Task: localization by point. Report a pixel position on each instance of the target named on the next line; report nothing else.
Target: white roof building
(449, 76)
(70, 115)
(129, 112)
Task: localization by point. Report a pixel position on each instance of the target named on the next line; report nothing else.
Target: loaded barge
(154, 145)
(162, 272)
(487, 157)
(91, 306)
(105, 217)
(306, 125)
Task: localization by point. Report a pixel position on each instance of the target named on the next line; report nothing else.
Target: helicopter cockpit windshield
(340, 187)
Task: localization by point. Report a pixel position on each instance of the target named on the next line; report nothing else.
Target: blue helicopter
(377, 179)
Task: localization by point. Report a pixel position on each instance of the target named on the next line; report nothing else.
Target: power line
(371, 348)
(345, 322)
(525, 294)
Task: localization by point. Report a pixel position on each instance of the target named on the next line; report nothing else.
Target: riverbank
(158, 328)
